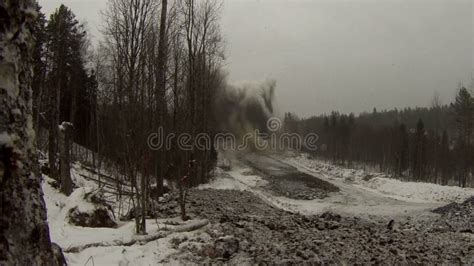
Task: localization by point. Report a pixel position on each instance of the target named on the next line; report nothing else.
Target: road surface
(299, 189)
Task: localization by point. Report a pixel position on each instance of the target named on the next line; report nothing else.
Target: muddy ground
(245, 229)
(285, 180)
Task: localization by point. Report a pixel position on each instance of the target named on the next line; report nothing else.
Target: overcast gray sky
(349, 55)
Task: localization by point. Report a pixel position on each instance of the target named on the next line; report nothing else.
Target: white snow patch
(64, 125)
(418, 192)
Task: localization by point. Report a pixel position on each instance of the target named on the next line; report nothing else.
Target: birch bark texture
(24, 232)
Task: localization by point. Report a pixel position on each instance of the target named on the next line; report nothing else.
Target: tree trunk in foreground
(64, 150)
(24, 232)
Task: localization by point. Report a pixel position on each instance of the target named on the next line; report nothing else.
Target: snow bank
(58, 206)
(419, 192)
(382, 183)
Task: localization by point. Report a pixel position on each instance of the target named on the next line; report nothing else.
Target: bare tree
(198, 24)
(161, 104)
(169, 86)
(128, 28)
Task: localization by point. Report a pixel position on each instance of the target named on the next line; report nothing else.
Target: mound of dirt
(454, 207)
(456, 217)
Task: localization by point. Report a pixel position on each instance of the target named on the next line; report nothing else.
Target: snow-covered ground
(379, 182)
(109, 248)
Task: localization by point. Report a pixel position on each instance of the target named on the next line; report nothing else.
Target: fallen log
(190, 227)
(141, 240)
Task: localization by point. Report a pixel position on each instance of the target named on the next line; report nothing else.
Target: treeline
(422, 144)
(160, 67)
(157, 70)
(64, 88)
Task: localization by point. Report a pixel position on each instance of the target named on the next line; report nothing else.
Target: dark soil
(268, 235)
(286, 180)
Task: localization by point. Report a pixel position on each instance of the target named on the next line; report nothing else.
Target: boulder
(227, 246)
(99, 217)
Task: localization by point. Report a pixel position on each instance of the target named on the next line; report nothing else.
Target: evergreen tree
(351, 128)
(444, 159)
(333, 136)
(419, 154)
(66, 75)
(39, 64)
(403, 152)
(71, 91)
(464, 112)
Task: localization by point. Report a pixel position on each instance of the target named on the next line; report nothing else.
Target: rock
(54, 184)
(97, 198)
(176, 241)
(390, 224)
(208, 251)
(367, 177)
(166, 197)
(100, 217)
(226, 246)
(156, 193)
(223, 164)
(45, 170)
(331, 216)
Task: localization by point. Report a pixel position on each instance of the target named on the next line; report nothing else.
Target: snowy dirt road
(297, 188)
(357, 200)
(373, 227)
